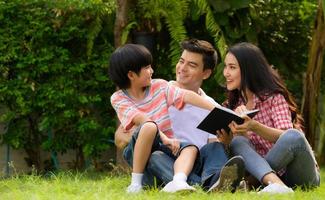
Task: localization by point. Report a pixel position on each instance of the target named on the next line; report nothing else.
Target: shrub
(53, 75)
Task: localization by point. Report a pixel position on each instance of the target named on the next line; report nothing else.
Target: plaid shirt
(273, 112)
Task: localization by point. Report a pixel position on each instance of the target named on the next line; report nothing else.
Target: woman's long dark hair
(260, 78)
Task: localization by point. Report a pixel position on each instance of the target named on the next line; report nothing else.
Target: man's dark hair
(210, 56)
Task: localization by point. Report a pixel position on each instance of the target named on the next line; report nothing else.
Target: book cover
(220, 117)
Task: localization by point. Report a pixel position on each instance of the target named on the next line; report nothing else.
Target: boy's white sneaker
(134, 188)
(176, 186)
(276, 188)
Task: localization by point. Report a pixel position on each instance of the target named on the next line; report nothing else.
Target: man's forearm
(120, 144)
(122, 137)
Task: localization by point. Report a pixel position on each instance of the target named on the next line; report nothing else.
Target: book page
(247, 112)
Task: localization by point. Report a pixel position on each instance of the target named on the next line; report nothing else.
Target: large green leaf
(220, 5)
(235, 4)
(223, 5)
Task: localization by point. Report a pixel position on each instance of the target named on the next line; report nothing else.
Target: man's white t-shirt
(185, 121)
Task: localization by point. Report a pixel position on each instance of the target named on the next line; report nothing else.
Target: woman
(272, 144)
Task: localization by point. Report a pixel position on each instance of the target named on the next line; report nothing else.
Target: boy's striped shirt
(160, 95)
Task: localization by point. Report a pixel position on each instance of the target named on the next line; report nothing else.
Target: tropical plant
(153, 16)
(226, 21)
(222, 23)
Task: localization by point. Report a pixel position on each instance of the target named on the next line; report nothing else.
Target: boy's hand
(173, 145)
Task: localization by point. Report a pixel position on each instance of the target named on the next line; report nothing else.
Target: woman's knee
(293, 136)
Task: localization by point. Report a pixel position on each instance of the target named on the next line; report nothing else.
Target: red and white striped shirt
(160, 95)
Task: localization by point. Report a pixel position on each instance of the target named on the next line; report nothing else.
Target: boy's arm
(196, 100)
(139, 119)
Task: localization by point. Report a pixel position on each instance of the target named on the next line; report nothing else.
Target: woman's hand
(242, 129)
(240, 110)
(224, 137)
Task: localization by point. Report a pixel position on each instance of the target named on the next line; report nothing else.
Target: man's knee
(161, 165)
(212, 147)
(155, 158)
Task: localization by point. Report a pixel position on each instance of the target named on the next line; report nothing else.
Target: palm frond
(174, 15)
(96, 24)
(96, 27)
(211, 25)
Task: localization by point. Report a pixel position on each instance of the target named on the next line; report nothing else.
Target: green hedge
(53, 75)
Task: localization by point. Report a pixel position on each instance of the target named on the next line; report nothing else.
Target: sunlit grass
(94, 185)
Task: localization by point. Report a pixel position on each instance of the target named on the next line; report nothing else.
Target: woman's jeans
(291, 152)
(213, 158)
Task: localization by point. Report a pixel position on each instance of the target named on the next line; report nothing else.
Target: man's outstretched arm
(122, 137)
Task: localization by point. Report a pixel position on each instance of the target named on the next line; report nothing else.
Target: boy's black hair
(210, 56)
(129, 57)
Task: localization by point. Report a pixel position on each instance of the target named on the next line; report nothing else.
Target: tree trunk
(33, 146)
(80, 159)
(34, 158)
(121, 20)
(120, 23)
(313, 77)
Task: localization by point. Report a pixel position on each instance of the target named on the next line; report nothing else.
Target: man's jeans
(291, 152)
(212, 156)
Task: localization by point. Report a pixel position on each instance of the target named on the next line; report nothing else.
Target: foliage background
(54, 59)
(54, 86)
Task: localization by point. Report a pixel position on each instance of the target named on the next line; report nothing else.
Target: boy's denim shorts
(156, 146)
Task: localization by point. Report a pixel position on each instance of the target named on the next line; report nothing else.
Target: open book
(220, 117)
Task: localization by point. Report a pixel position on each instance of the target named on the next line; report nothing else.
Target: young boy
(144, 102)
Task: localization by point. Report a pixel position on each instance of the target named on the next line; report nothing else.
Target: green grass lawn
(91, 185)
